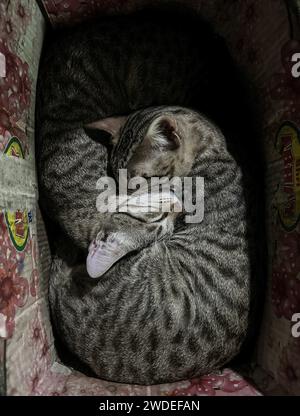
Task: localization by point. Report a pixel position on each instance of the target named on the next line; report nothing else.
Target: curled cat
(167, 150)
(114, 67)
(177, 305)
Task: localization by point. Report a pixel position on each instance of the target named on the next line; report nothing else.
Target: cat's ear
(163, 133)
(110, 125)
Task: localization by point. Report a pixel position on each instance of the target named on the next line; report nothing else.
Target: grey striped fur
(179, 306)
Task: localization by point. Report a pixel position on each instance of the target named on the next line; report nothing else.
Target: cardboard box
(263, 37)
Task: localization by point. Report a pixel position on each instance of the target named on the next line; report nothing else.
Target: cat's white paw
(103, 253)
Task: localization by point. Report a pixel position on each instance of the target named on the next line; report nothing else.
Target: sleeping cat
(177, 306)
(167, 150)
(177, 281)
(113, 67)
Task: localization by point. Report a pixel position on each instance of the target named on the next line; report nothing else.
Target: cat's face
(168, 146)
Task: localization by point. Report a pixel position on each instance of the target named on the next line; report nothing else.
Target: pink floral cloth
(261, 39)
(15, 86)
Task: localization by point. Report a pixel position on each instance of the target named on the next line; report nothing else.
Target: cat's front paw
(104, 252)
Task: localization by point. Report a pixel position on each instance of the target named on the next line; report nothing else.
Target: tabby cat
(177, 304)
(114, 67)
(178, 307)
